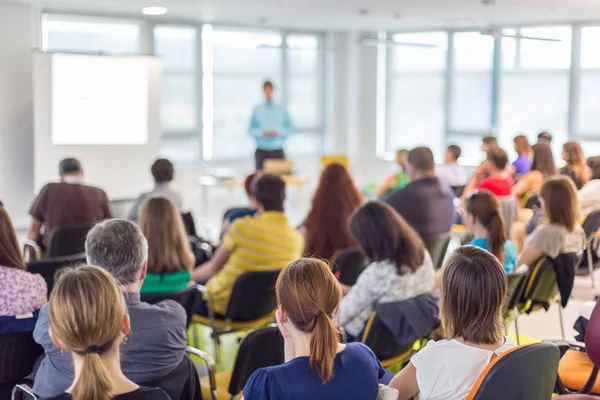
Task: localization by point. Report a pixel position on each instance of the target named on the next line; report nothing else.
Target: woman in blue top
(483, 218)
(317, 365)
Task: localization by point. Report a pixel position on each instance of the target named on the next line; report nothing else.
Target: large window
(212, 78)
(587, 120)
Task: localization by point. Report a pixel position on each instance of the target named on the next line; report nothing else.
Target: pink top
(20, 291)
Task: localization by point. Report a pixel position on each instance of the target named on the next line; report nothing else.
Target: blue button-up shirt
(266, 117)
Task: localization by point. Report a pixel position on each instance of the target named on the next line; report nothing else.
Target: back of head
(310, 295)
(10, 254)
(384, 235)
(249, 182)
(490, 141)
(473, 296)
(269, 192)
(498, 158)
(576, 159)
(522, 145)
(168, 246)
(594, 165)
(86, 314)
(543, 160)
(544, 137)
(119, 247)
(455, 151)
(335, 199)
(69, 166)
(560, 201)
(484, 206)
(421, 159)
(162, 170)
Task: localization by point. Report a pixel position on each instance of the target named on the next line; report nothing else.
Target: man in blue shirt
(270, 126)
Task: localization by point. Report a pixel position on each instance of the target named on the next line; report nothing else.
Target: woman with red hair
(326, 226)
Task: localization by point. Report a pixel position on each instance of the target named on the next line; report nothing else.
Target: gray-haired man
(157, 342)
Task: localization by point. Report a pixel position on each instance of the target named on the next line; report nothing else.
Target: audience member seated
(522, 164)
(94, 342)
(576, 167)
(68, 202)
(561, 233)
(544, 137)
(426, 204)
(542, 167)
(451, 173)
(316, 365)
(158, 339)
(589, 195)
(250, 211)
(162, 171)
(20, 292)
(492, 175)
(395, 181)
(473, 295)
(400, 266)
(325, 229)
(488, 143)
(170, 258)
(261, 243)
(483, 218)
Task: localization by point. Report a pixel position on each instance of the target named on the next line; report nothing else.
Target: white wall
(19, 33)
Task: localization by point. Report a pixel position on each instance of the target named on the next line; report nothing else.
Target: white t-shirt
(448, 369)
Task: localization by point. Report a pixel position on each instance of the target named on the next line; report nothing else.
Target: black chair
(516, 282)
(348, 265)
(189, 224)
(533, 202)
(18, 353)
(523, 373)
(252, 305)
(48, 268)
(68, 240)
(261, 348)
(230, 211)
(188, 298)
(590, 225)
(437, 247)
(458, 190)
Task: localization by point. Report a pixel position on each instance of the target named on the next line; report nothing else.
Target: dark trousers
(261, 155)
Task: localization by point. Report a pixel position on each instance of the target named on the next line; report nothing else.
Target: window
(544, 54)
(415, 111)
(178, 48)
(90, 34)
(588, 118)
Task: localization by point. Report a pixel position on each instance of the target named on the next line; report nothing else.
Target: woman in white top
(473, 295)
(400, 266)
(589, 195)
(561, 232)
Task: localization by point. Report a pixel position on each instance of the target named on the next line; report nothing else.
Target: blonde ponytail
(93, 382)
(323, 347)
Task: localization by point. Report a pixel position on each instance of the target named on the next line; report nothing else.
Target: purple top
(522, 164)
(20, 292)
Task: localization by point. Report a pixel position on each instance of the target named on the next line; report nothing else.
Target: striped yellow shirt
(264, 243)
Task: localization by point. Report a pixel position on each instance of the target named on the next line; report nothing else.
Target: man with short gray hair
(157, 341)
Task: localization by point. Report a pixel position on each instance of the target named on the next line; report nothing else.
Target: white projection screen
(102, 110)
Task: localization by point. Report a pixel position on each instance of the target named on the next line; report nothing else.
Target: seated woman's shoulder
(260, 384)
(145, 393)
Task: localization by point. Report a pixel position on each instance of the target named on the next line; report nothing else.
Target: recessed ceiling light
(154, 10)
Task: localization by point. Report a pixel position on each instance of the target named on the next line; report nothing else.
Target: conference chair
(188, 298)
(590, 225)
(252, 305)
(67, 240)
(261, 348)
(18, 353)
(235, 210)
(576, 397)
(188, 223)
(533, 202)
(458, 190)
(516, 282)
(47, 268)
(348, 264)
(437, 247)
(522, 373)
(580, 362)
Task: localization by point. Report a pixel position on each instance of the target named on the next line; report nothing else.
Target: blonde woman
(576, 167)
(88, 317)
(170, 259)
(396, 181)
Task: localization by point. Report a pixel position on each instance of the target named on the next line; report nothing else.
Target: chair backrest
(458, 190)
(523, 373)
(187, 297)
(437, 247)
(381, 340)
(591, 223)
(236, 210)
(183, 383)
(592, 336)
(188, 223)
(533, 202)
(516, 282)
(68, 240)
(252, 296)
(509, 208)
(261, 348)
(541, 285)
(18, 352)
(48, 268)
(349, 263)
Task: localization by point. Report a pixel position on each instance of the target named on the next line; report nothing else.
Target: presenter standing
(270, 126)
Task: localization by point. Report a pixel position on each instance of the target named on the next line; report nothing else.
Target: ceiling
(342, 15)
